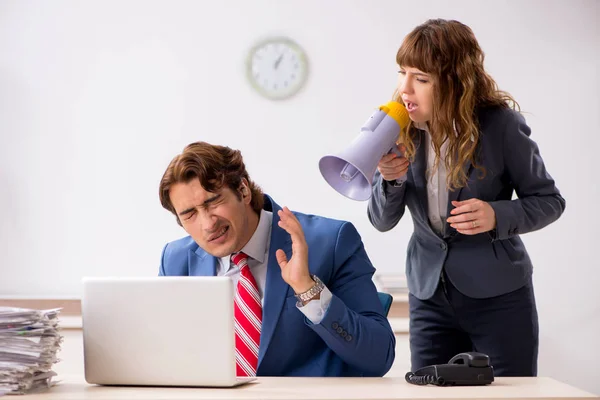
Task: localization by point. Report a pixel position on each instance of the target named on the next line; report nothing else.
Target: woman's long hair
(450, 53)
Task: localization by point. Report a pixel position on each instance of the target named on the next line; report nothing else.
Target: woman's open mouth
(410, 106)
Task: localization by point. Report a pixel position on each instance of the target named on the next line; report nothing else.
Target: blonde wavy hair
(450, 53)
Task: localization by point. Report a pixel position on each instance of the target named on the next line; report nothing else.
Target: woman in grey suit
(466, 151)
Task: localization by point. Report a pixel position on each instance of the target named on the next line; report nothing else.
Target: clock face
(277, 68)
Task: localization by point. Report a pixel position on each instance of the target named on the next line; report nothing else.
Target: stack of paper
(29, 341)
(392, 283)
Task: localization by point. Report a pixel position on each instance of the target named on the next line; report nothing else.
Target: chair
(386, 301)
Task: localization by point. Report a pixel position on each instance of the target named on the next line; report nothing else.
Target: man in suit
(297, 312)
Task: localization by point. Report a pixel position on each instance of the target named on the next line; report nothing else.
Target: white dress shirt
(257, 250)
(437, 188)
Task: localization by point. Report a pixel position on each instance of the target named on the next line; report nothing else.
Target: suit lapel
(454, 195)
(275, 287)
(201, 264)
(418, 170)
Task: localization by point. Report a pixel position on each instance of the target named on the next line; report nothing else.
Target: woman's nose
(406, 86)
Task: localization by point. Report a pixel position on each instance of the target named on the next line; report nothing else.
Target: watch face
(277, 68)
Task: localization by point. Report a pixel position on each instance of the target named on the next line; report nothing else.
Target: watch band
(313, 291)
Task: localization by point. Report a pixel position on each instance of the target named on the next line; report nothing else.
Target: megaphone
(351, 171)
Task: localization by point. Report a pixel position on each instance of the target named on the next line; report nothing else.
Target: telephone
(470, 368)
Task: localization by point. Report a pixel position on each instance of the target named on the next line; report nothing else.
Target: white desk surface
(75, 387)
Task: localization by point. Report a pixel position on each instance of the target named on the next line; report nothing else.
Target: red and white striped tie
(247, 311)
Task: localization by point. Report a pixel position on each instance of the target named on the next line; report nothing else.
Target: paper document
(29, 342)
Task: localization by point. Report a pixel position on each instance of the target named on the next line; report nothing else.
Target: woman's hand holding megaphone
(392, 166)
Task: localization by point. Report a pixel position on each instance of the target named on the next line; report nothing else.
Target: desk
(74, 387)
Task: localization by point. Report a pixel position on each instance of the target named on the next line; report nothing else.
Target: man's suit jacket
(353, 339)
(488, 264)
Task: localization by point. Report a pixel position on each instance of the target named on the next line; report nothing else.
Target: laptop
(159, 331)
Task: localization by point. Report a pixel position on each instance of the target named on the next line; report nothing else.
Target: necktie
(247, 311)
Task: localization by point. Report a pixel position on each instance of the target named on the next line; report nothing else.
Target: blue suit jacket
(488, 264)
(353, 339)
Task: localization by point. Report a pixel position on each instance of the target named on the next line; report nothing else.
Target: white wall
(97, 97)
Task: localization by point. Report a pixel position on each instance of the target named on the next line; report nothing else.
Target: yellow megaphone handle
(397, 111)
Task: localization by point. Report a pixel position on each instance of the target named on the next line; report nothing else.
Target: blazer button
(334, 325)
(344, 334)
(348, 338)
(443, 246)
(339, 330)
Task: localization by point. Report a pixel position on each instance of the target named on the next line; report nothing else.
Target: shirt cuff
(315, 310)
(400, 181)
(389, 187)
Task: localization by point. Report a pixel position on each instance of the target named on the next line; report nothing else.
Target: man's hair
(449, 51)
(215, 167)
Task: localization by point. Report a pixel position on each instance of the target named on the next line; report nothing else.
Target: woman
(466, 151)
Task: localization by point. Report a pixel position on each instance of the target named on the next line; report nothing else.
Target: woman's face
(416, 90)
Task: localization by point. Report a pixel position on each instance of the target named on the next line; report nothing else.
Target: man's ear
(245, 191)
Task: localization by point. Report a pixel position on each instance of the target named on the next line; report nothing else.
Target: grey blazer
(488, 264)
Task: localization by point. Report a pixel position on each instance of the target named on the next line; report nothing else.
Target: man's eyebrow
(184, 212)
(204, 204)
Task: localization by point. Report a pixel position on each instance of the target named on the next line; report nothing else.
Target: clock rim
(302, 58)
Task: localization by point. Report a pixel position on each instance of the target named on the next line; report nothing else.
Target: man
(297, 313)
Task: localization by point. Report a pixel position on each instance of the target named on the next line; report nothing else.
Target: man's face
(219, 222)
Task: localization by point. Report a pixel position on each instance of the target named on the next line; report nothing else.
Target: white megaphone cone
(351, 171)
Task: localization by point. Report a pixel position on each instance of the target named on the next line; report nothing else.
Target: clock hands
(278, 61)
(276, 67)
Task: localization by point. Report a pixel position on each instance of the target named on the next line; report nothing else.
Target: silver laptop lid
(172, 331)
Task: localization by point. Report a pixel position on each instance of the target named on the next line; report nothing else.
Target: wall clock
(277, 68)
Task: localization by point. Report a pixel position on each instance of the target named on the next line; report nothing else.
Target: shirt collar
(425, 127)
(422, 126)
(256, 247)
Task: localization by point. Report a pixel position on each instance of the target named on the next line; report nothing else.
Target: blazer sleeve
(386, 205)
(355, 326)
(539, 202)
(162, 270)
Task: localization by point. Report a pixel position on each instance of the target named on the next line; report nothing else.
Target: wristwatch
(312, 292)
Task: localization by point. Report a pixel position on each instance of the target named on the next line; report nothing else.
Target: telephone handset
(470, 368)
